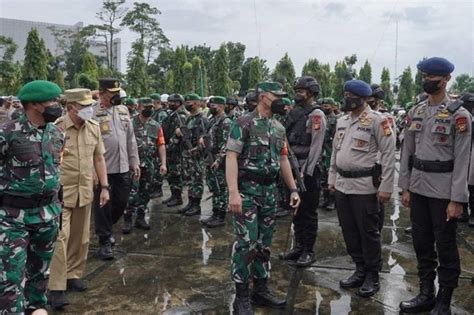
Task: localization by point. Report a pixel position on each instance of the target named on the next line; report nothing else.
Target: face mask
(351, 103)
(172, 106)
(116, 100)
(147, 112)
(51, 113)
(213, 111)
(278, 107)
(373, 104)
(430, 86)
(299, 99)
(251, 107)
(227, 109)
(86, 113)
(189, 107)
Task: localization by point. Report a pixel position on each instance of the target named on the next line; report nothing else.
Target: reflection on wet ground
(180, 268)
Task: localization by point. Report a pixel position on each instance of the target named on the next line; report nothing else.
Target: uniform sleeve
(284, 150)
(220, 157)
(386, 145)
(332, 168)
(235, 140)
(3, 153)
(408, 150)
(132, 148)
(318, 131)
(99, 147)
(160, 140)
(462, 148)
(471, 169)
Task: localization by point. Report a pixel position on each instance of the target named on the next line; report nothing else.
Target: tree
(111, 14)
(7, 66)
(35, 65)
(221, 82)
(255, 72)
(84, 81)
(137, 76)
(322, 74)
(406, 90)
(59, 79)
(89, 65)
(365, 73)
(169, 82)
(178, 70)
(462, 84)
(159, 68)
(386, 87)
(341, 75)
(285, 73)
(236, 59)
(199, 76)
(188, 82)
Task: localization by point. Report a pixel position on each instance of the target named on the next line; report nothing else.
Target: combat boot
(325, 202)
(127, 224)
(356, 279)
(262, 295)
(57, 300)
(195, 208)
(158, 193)
(186, 207)
(140, 222)
(242, 305)
(423, 302)
(370, 286)
(294, 253)
(213, 221)
(105, 252)
(176, 199)
(332, 202)
(443, 302)
(306, 259)
(168, 199)
(282, 212)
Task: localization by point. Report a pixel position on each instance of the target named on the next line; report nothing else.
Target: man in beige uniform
(360, 136)
(83, 153)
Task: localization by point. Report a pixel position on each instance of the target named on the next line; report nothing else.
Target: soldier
(306, 129)
(121, 156)
(468, 99)
(131, 104)
(83, 152)
(215, 168)
(250, 102)
(231, 108)
(256, 154)
(174, 149)
(30, 153)
(191, 137)
(433, 177)
(150, 143)
(327, 106)
(159, 114)
(360, 135)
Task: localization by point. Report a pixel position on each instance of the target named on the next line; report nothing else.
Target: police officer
(468, 104)
(306, 128)
(215, 167)
(83, 153)
(256, 154)
(121, 156)
(159, 115)
(360, 136)
(191, 138)
(433, 176)
(30, 153)
(174, 148)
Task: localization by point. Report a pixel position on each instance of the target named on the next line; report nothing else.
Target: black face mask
(115, 100)
(227, 109)
(147, 112)
(278, 107)
(173, 106)
(430, 86)
(251, 107)
(189, 107)
(373, 104)
(351, 103)
(52, 113)
(299, 99)
(213, 111)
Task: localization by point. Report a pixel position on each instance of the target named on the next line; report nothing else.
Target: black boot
(242, 305)
(140, 222)
(261, 295)
(76, 285)
(195, 208)
(423, 302)
(57, 300)
(294, 253)
(370, 285)
(176, 199)
(127, 224)
(356, 280)
(471, 218)
(306, 259)
(168, 199)
(325, 203)
(332, 202)
(158, 193)
(465, 215)
(282, 212)
(443, 302)
(213, 221)
(105, 251)
(188, 206)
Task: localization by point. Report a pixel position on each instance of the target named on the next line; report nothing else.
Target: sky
(322, 29)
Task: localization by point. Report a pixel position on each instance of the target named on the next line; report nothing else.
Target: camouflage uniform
(283, 196)
(149, 136)
(218, 133)
(159, 116)
(260, 143)
(29, 168)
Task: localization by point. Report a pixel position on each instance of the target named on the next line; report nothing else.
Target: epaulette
(454, 106)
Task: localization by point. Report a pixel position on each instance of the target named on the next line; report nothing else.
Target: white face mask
(86, 113)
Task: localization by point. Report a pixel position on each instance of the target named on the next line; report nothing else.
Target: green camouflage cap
(145, 101)
(286, 101)
(155, 97)
(39, 91)
(272, 87)
(217, 100)
(192, 97)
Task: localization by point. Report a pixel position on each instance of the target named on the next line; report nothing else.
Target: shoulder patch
(387, 131)
(316, 122)
(461, 124)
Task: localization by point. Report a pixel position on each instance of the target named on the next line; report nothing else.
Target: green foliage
(406, 90)
(137, 76)
(221, 82)
(285, 74)
(386, 86)
(188, 81)
(462, 84)
(9, 75)
(89, 65)
(169, 84)
(178, 70)
(365, 73)
(255, 72)
(85, 81)
(322, 74)
(59, 79)
(35, 64)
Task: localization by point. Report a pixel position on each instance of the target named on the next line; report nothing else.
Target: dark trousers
(109, 214)
(429, 227)
(306, 219)
(359, 217)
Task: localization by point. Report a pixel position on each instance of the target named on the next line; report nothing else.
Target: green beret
(286, 101)
(145, 101)
(217, 100)
(272, 87)
(155, 96)
(329, 100)
(130, 101)
(39, 91)
(192, 97)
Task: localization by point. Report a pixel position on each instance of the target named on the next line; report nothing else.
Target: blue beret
(436, 66)
(358, 87)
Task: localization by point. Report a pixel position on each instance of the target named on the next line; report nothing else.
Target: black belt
(261, 180)
(433, 166)
(356, 174)
(23, 202)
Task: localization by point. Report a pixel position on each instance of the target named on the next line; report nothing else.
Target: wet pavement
(180, 268)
